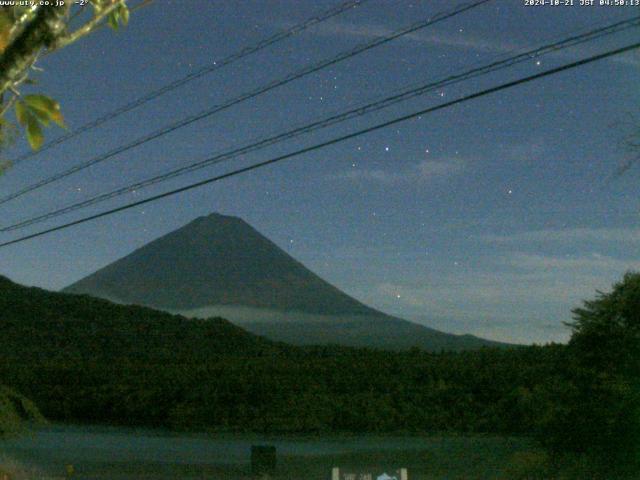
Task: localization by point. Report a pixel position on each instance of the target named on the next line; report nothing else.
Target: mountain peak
(221, 262)
(218, 217)
(216, 220)
(217, 260)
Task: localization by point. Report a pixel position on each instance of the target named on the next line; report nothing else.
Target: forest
(84, 360)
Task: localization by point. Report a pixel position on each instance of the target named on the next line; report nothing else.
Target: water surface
(121, 453)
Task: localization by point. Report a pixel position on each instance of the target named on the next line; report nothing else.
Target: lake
(119, 453)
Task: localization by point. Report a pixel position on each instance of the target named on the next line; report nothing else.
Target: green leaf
(8, 131)
(41, 102)
(113, 19)
(22, 113)
(41, 116)
(34, 133)
(35, 111)
(123, 10)
(58, 119)
(45, 108)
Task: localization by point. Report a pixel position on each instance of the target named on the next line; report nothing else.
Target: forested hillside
(87, 360)
(16, 412)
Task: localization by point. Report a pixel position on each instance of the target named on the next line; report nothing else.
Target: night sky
(494, 217)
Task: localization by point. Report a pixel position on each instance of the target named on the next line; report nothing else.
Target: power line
(333, 141)
(334, 119)
(246, 51)
(246, 96)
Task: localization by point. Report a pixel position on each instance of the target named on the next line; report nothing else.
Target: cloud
(440, 168)
(528, 152)
(631, 59)
(462, 40)
(458, 40)
(424, 171)
(507, 307)
(595, 261)
(518, 297)
(568, 235)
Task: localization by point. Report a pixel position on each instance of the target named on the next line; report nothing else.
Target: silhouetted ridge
(87, 360)
(219, 265)
(217, 260)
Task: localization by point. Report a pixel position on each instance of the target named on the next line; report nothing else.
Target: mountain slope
(41, 324)
(220, 262)
(373, 331)
(84, 358)
(216, 260)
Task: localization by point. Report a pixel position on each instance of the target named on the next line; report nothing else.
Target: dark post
(263, 460)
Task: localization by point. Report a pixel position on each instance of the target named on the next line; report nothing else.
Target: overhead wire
(205, 70)
(340, 117)
(246, 96)
(336, 140)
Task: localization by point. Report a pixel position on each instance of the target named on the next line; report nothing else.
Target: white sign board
(369, 474)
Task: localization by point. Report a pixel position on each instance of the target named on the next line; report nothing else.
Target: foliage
(606, 331)
(527, 465)
(26, 32)
(88, 360)
(596, 418)
(35, 111)
(15, 411)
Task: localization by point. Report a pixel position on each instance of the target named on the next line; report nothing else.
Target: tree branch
(88, 27)
(22, 52)
(22, 21)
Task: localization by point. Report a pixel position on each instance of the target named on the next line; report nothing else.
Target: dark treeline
(15, 411)
(87, 360)
(321, 390)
